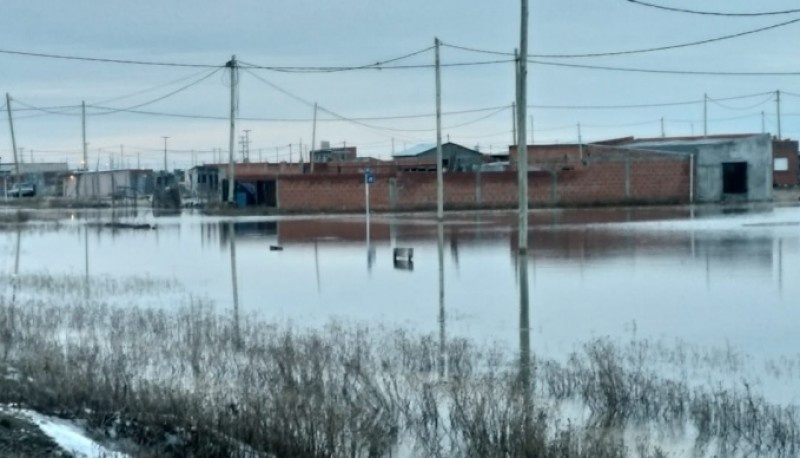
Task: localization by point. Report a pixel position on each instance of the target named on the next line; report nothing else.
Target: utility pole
(13, 138)
(663, 134)
(291, 159)
(514, 120)
(763, 124)
(778, 103)
(531, 117)
(522, 147)
(121, 156)
(138, 160)
(247, 145)
(439, 175)
(311, 157)
(166, 168)
(231, 168)
(705, 115)
(580, 142)
(83, 128)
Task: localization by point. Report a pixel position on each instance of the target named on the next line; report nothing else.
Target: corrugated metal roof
(415, 150)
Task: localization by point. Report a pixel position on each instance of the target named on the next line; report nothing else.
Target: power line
(749, 107)
(150, 89)
(656, 71)
(632, 51)
(645, 105)
(104, 60)
(321, 69)
(165, 96)
(713, 13)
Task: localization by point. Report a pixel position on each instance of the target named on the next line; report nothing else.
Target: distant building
(107, 183)
(785, 163)
(455, 158)
(328, 154)
(45, 176)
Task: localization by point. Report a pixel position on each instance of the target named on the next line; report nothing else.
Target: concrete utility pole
(778, 103)
(522, 147)
(13, 138)
(311, 157)
(439, 175)
(247, 145)
(514, 121)
(705, 115)
(166, 168)
(234, 83)
(83, 129)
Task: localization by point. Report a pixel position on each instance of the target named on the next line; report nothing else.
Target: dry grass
(193, 381)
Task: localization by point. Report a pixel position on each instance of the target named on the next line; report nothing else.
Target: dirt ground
(20, 437)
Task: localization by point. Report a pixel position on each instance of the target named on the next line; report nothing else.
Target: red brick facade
(656, 180)
(785, 149)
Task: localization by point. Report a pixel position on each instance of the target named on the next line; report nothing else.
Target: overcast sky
(310, 33)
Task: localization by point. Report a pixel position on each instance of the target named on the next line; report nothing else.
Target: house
(422, 158)
(723, 167)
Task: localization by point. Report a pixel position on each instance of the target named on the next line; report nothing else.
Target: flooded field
(707, 296)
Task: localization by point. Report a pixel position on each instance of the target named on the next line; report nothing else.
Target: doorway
(734, 177)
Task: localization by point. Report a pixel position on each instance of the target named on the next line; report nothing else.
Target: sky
(190, 104)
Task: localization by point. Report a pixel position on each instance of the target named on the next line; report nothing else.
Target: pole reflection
(442, 334)
(235, 286)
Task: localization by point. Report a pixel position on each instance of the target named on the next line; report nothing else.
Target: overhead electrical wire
(323, 69)
(645, 105)
(631, 51)
(150, 89)
(657, 71)
(748, 107)
(104, 60)
(713, 13)
(165, 96)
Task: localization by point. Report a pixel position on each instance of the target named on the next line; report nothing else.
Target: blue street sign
(370, 178)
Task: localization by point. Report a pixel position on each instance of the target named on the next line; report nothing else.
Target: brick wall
(785, 149)
(599, 183)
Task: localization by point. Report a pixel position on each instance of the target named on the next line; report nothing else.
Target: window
(781, 164)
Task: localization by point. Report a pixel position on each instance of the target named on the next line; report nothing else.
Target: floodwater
(713, 276)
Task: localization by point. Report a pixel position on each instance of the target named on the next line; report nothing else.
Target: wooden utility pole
(311, 157)
(439, 175)
(13, 138)
(231, 168)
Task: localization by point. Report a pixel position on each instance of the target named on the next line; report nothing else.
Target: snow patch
(70, 436)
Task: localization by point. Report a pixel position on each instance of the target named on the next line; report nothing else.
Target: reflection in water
(86, 261)
(524, 339)
(442, 335)
(316, 264)
(235, 286)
